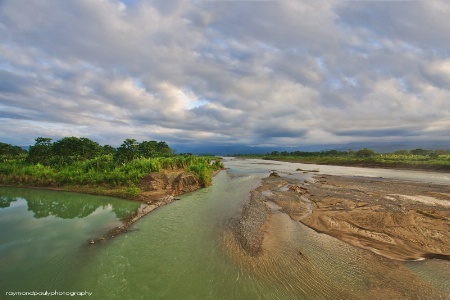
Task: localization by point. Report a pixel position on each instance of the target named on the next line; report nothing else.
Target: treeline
(8, 151)
(80, 162)
(365, 152)
(361, 153)
(68, 150)
(409, 159)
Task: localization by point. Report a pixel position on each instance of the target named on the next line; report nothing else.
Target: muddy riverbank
(157, 189)
(400, 220)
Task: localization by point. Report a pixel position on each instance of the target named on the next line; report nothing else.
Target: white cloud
(290, 72)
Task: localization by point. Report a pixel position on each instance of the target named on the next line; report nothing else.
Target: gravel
(248, 227)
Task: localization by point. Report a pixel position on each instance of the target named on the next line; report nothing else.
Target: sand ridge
(400, 220)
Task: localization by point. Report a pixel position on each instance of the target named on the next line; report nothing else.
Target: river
(183, 250)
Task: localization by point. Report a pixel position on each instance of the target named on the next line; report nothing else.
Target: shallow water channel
(183, 250)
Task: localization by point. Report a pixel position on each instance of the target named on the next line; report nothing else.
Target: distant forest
(68, 150)
(365, 152)
(438, 160)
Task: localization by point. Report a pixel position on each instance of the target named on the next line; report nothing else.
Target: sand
(400, 220)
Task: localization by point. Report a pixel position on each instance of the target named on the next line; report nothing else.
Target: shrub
(365, 152)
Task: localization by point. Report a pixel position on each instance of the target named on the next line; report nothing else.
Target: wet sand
(397, 219)
(388, 221)
(400, 220)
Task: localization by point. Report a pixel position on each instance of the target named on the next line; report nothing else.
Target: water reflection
(43, 233)
(63, 205)
(5, 201)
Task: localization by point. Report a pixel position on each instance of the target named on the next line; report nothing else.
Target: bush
(202, 172)
(365, 152)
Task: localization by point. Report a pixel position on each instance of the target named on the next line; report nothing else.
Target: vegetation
(83, 165)
(409, 159)
(8, 152)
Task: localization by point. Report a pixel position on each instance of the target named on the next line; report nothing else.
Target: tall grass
(203, 170)
(104, 171)
(427, 162)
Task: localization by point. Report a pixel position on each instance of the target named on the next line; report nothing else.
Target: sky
(225, 72)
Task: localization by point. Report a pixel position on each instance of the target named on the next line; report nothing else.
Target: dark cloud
(277, 132)
(10, 84)
(225, 72)
(385, 132)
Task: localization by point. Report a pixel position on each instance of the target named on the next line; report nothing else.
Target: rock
(297, 189)
(273, 173)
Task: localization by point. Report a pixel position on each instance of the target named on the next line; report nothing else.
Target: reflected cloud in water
(64, 205)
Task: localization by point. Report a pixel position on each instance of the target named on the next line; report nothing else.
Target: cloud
(224, 72)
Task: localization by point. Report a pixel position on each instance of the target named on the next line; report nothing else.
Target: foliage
(82, 163)
(131, 149)
(419, 151)
(127, 151)
(41, 152)
(76, 148)
(107, 149)
(203, 168)
(414, 159)
(401, 152)
(365, 153)
(8, 152)
(154, 149)
(69, 150)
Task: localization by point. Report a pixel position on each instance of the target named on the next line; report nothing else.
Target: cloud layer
(257, 73)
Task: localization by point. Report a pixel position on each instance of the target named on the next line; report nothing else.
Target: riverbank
(387, 161)
(400, 220)
(155, 190)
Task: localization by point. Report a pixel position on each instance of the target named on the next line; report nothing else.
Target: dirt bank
(400, 220)
(157, 189)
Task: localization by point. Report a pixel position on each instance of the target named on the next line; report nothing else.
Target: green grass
(102, 173)
(409, 161)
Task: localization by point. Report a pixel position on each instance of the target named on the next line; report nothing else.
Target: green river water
(183, 251)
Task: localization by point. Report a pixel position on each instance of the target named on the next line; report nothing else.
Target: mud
(400, 220)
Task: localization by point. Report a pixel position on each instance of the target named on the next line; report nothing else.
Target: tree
(164, 149)
(332, 152)
(107, 149)
(419, 151)
(69, 149)
(8, 151)
(401, 152)
(441, 152)
(128, 151)
(154, 149)
(41, 152)
(148, 149)
(365, 152)
(89, 149)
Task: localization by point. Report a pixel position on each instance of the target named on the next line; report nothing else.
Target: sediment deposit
(400, 220)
